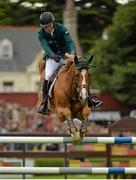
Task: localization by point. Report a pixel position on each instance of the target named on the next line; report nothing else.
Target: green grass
(71, 177)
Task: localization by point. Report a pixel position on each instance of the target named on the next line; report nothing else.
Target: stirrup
(94, 102)
(42, 108)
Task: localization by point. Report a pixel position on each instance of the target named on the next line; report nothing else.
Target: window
(6, 49)
(8, 86)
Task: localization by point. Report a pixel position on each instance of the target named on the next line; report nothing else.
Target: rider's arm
(68, 40)
(45, 45)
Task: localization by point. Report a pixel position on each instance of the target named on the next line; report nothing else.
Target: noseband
(77, 88)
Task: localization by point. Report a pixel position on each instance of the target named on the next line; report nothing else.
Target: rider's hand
(57, 58)
(70, 57)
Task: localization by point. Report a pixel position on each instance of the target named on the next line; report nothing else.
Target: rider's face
(48, 28)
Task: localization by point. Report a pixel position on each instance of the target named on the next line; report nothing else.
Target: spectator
(17, 118)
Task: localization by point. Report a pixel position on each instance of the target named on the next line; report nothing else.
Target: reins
(61, 87)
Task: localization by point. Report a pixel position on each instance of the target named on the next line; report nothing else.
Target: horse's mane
(67, 65)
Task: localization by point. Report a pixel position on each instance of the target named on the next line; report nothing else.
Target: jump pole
(59, 140)
(67, 170)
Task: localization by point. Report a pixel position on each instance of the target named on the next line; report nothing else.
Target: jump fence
(59, 140)
(67, 170)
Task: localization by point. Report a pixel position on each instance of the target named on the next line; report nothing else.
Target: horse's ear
(90, 59)
(76, 60)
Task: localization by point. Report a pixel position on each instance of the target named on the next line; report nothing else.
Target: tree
(70, 21)
(116, 57)
(93, 17)
(27, 12)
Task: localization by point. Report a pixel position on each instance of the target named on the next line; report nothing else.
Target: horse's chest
(76, 107)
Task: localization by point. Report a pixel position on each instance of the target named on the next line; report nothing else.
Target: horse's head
(82, 77)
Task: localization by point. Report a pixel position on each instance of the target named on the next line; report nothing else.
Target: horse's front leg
(65, 114)
(83, 129)
(74, 131)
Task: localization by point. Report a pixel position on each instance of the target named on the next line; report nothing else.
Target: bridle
(78, 88)
(75, 88)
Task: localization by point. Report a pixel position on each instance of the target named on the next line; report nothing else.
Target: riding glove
(57, 58)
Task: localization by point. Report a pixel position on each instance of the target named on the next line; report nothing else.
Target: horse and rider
(59, 48)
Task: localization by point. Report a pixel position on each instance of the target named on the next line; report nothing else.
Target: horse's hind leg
(65, 112)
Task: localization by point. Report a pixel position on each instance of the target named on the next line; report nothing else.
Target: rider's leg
(93, 102)
(50, 68)
(43, 105)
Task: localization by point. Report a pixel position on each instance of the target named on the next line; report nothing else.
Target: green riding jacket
(58, 43)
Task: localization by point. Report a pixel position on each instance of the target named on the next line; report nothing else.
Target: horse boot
(43, 106)
(94, 102)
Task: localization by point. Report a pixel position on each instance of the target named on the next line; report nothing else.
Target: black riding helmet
(46, 18)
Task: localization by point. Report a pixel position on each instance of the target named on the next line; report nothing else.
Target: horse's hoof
(76, 137)
(82, 135)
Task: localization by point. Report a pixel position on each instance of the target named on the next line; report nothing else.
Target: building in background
(19, 47)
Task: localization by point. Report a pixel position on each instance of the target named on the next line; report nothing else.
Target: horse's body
(69, 97)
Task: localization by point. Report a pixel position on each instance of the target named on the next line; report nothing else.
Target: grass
(71, 177)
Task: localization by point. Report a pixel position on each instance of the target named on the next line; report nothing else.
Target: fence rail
(67, 170)
(59, 140)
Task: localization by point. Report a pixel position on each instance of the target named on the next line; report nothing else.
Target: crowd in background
(17, 118)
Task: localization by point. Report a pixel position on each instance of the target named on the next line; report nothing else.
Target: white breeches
(50, 68)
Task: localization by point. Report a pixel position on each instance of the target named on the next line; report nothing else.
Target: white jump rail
(67, 170)
(59, 140)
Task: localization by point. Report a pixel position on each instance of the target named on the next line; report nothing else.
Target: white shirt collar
(52, 32)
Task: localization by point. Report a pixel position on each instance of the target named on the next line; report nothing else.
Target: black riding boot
(43, 106)
(94, 102)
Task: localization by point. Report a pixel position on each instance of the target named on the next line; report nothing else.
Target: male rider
(57, 44)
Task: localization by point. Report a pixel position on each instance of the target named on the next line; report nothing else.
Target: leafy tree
(116, 57)
(27, 12)
(94, 16)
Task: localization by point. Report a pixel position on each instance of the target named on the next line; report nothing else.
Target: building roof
(25, 47)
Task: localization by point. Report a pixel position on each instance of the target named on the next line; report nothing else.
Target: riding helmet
(46, 18)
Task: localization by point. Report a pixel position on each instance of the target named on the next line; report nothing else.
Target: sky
(122, 1)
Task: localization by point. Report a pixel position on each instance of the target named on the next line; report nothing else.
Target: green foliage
(116, 57)
(18, 14)
(92, 21)
(49, 162)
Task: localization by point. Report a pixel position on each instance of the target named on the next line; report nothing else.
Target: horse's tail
(41, 66)
(41, 62)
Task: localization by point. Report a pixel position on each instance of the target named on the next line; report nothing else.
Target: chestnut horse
(70, 96)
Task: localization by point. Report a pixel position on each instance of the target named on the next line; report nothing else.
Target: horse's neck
(66, 76)
(70, 72)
